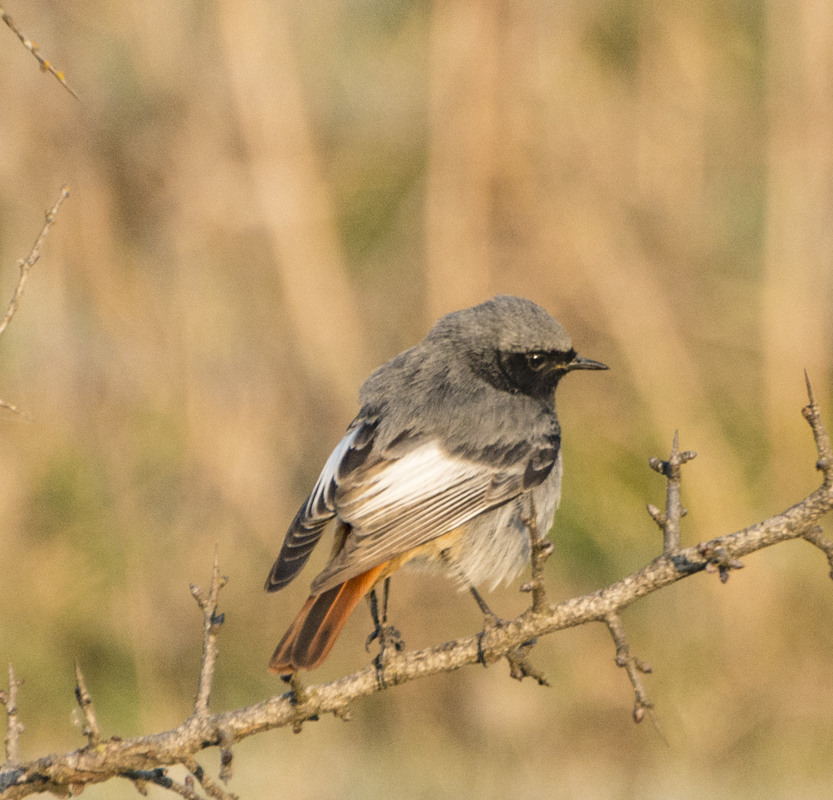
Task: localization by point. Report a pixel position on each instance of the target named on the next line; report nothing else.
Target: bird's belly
(494, 546)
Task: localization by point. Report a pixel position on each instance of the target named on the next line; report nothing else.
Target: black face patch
(534, 373)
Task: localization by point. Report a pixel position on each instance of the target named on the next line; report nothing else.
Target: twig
(14, 727)
(226, 758)
(517, 657)
(669, 521)
(212, 789)
(85, 703)
(812, 414)
(33, 49)
(824, 464)
(25, 264)
(634, 668)
(718, 560)
(212, 622)
(14, 409)
(540, 550)
(158, 777)
(814, 536)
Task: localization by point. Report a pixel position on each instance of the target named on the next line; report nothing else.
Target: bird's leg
(387, 635)
(519, 665)
(373, 605)
(490, 622)
(484, 607)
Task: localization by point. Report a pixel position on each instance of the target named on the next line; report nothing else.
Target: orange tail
(309, 639)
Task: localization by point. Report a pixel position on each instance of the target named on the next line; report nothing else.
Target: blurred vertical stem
(797, 291)
(296, 208)
(466, 40)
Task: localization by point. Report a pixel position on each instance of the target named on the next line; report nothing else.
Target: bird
(456, 441)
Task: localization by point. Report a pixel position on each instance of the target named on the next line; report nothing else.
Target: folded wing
(398, 504)
(396, 500)
(319, 508)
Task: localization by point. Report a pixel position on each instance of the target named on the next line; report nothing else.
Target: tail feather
(311, 636)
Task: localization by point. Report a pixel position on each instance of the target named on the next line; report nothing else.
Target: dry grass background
(268, 200)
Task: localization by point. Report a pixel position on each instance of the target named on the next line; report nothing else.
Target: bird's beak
(585, 363)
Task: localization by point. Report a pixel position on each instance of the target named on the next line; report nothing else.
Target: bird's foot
(389, 638)
(390, 642)
(491, 623)
(520, 666)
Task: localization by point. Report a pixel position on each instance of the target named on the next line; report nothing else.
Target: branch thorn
(91, 729)
(14, 727)
(212, 622)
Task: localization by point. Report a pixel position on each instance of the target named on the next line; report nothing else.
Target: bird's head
(513, 344)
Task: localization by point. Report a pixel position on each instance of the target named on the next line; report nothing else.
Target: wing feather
(401, 503)
(397, 498)
(318, 509)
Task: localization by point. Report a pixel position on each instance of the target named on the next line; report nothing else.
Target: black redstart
(456, 439)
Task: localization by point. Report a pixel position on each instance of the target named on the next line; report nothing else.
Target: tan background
(268, 200)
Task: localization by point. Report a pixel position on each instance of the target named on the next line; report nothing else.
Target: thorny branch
(159, 777)
(212, 789)
(25, 264)
(540, 550)
(631, 664)
(212, 622)
(85, 703)
(814, 536)
(32, 47)
(13, 725)
(144, 759)
(669, 520)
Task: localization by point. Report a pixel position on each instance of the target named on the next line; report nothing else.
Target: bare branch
(85, 703)
(33, 49)
(25, 264)
(812, 414)
(212, 622)
(14, 727)
(158, 777)
(226, 758)
(814, 536)
(540, 550)
(669, 522)
(634, 668)
(144, 758)
(212, 789)
(718, 560)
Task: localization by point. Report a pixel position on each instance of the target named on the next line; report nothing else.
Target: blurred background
(269, 199)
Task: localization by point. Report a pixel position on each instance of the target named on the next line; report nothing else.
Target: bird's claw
(491, 622)
(387, 636)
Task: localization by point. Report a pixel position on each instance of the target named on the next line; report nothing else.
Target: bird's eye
(536, 361)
